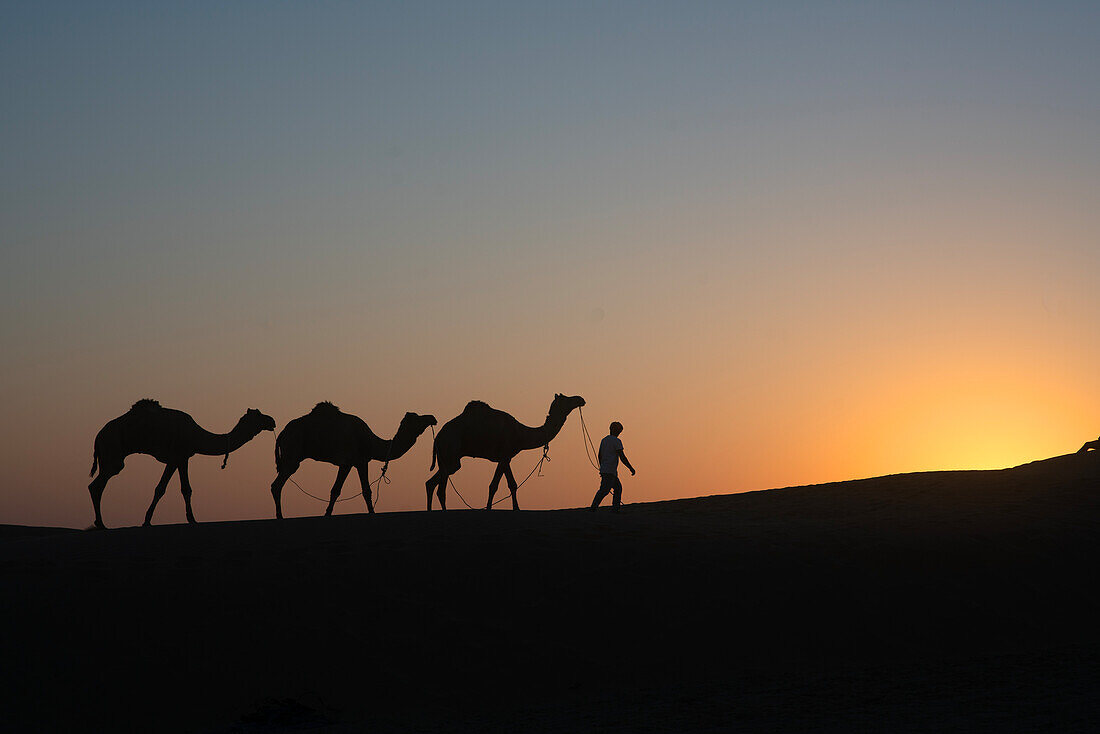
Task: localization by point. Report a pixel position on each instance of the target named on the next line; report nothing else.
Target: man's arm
(622, 455)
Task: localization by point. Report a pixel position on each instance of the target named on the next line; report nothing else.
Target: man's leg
(617, 497)
(601, 493)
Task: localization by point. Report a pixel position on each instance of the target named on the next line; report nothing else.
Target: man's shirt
(610, 447)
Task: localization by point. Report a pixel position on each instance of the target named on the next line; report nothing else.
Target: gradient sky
(783, 243)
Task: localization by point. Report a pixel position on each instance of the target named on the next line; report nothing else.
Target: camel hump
(145, 404)
(325, 407)
(476, 406)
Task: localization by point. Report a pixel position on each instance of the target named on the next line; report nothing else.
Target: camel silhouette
(487, 433)
(1090, 445)
(330, 435)
(171, 437)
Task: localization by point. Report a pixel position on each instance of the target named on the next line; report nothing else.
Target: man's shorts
(610, 482)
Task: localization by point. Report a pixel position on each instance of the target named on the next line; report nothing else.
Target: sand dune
(900, 603)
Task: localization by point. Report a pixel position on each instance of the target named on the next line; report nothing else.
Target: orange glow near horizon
(964, 431)
(748, 438)
(711, 404)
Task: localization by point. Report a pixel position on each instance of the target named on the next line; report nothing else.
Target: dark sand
(947, 600)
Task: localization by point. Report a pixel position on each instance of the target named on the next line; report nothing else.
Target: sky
(782, 243)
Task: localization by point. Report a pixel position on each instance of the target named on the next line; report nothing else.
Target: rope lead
(587, 442)
(377, 484)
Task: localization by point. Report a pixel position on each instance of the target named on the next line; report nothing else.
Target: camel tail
(95, 463)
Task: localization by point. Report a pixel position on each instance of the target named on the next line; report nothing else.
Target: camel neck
(542, 435)
(388, 449)
(216, 444)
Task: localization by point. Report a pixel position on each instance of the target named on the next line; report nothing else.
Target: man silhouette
(611, 450)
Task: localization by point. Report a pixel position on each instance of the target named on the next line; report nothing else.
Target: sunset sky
(782, 243)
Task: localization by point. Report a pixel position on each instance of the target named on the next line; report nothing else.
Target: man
(611, 450)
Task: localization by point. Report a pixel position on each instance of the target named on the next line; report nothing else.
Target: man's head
(616, 428)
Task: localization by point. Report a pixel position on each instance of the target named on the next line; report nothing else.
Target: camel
(486, 433)
(171, 437)
(330, 435)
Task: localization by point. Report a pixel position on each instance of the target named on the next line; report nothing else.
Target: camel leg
(95, 489)
(441, 490)
(512, 486)
(185, 490)
(429, 486)
(158, 492)
(364, 481)
(438, 482)
(493, 485)
(341, 475)
(277, 491)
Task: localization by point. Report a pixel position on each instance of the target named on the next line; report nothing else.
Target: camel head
(565, 404)
(255, 421)
(416, 424)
